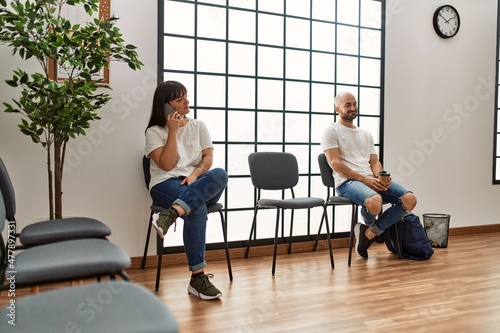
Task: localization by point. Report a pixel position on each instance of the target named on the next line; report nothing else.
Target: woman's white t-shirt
(192, 139)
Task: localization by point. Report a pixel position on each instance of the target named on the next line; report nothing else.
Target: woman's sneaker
(163, 220)
(201, 287)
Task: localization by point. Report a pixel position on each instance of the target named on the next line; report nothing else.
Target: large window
(262, 74)
(496, 137)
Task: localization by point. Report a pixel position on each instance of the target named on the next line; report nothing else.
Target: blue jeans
(194, 199)
(359, 192)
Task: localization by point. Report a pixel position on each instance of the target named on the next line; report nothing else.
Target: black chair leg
(328, 237)
(291, 228)
(276, 239)
(224, 233)
(160, 257)
(252, 231)
(351, 235)
(319, 230)
(148, 235)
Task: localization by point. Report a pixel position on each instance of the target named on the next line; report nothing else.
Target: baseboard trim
(175, 259)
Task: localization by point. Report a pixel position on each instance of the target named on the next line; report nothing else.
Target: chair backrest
(273, 170)
(2, 215)
(7, 192)
(326, 171)
(145, 168)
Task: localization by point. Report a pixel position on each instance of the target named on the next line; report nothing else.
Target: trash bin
(437, 227)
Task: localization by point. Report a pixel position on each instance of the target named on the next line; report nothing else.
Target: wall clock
(446, 21)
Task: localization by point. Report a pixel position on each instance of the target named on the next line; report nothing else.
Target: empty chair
(47, 231)
(279, 171)
(92, 308)
(216, 208)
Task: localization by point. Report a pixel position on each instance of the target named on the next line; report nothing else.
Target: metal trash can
(437, 227)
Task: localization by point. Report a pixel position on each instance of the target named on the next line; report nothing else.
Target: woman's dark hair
(165, 92)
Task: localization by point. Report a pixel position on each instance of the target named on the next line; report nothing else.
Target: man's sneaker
(379, 239)
(201, 287)
(163, 220)
(362, 242)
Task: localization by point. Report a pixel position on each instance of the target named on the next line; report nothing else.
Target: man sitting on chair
(351, 154)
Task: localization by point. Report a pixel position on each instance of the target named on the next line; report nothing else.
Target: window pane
(370, 72)
(371, 14)
(297, 64)
(216, 123)
(348, 40)
(173, 59)
(241, 93)
(274, 6)
(211, 22)
(323, 36)
(318, 125)
(370, 45)
(250, 4)
(323, 10)
(237, 160)
(270, 29)
(322, 97)
(372, 124)
(347, 70)
(297, 33)
(296, 96)
(211, 56)
(270, 127)
(270, 62)
(297, 127)
(179, 18)
(348, 11)
(298, 8)
(211, 91)
(241, 59)
(270, 93)
(369, 100)
(241, 126)
(241, 26)
(323, 67)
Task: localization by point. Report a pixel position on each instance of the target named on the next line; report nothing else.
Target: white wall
(439, 110)
(425, 77)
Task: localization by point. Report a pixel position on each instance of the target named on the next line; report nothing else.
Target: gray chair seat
(295, 203)
(64, 261)
(93, 308)
(63, 229)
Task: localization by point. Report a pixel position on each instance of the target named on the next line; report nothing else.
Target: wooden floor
(457, 290)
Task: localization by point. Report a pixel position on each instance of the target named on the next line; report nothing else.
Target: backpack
(414, 243)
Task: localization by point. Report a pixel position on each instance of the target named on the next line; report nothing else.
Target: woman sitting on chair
(181, 153)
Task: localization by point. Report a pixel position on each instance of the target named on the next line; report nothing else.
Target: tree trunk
(58, 173)
(51, 187)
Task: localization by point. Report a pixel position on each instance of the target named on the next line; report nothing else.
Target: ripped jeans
(358, 192)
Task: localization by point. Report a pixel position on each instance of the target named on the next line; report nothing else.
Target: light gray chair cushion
(63, 229)
(63, 261)
(111, 307)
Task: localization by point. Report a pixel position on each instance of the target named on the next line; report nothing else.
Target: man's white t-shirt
(355, 145)
(192, 139)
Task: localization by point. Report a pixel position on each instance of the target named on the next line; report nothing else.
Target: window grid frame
(311, 234)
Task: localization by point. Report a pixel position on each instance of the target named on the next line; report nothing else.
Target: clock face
(446, 21)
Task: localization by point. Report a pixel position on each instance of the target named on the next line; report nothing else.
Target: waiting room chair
(216, 208)
(334, 200)
(49, 231)
(64, 261)
(279, 171)
(106, 307)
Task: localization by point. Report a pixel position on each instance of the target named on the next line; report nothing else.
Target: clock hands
(446, 21)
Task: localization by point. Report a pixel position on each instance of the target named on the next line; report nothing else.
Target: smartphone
(168, 110)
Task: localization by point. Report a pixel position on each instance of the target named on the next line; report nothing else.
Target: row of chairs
(272, 171)
(67, 251)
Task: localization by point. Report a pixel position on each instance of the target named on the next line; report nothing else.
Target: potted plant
(55, 111)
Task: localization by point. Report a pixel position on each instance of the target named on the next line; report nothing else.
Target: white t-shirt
(192, 139)
(355, 145)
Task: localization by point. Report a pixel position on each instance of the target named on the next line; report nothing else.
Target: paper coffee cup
(384, 176)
